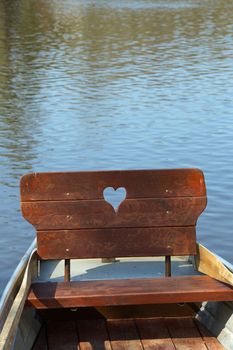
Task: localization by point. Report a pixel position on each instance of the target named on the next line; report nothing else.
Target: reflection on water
(116, 84)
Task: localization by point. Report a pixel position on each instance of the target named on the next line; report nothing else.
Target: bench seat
(128, 292)
(122, 214)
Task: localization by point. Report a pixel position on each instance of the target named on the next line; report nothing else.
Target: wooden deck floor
(124, 334)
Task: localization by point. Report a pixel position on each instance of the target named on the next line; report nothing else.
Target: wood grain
(128, 292)
(208, 263)
(105, 243)
(123, 335)
(157, 217)
(131, 334)
(93, 335)
(185, 334)
(153, 212)
(154, 334)
(90, 185)
(73, 220)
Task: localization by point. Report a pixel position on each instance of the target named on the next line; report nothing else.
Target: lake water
(116, 85)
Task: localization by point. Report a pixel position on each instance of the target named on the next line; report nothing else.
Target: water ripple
(109, 85)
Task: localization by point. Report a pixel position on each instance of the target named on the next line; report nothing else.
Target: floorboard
(154, 334)
(124, 335)
(211, 342)
(185, 334)
(62, 335)
(180, 333)
(93, 335)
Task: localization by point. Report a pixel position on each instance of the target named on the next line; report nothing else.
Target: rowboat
(120, 294)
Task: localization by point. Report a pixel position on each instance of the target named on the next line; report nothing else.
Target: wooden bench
(157, 218)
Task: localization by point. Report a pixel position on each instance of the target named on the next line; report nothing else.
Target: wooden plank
(210, 341)
(62, 335)
(123, 335)
(41, 341)
(93, 335)
(208, 263)
(128, 292)
(105, 243)
(90, 185)
(185, 335)
(152, 212)
(154, 334)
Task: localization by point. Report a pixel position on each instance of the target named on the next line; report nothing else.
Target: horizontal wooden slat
(90, 185)
(106, 243)
(128, 291)
(100, 214)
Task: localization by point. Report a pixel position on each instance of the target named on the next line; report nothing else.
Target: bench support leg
(168, 266)
(67, 270)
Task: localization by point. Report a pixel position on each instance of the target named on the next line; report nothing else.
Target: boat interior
(124, 328)
(187, 326)
(176, 326)
(122, 274)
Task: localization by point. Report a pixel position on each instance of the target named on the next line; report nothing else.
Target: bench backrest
(73, 220)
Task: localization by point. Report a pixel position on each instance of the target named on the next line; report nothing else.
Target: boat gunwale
(13, 284)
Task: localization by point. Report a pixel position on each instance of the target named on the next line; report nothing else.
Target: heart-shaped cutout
(114, 197)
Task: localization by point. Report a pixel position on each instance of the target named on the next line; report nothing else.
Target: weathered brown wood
(123, 335)
(185, 334)
(152, 212)
(128, 291)
(168, 266)
(93, 335)
(62, 335)
(154, 334)
(90, 185)
(157, 217)
(100, 243)
(73, 220)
